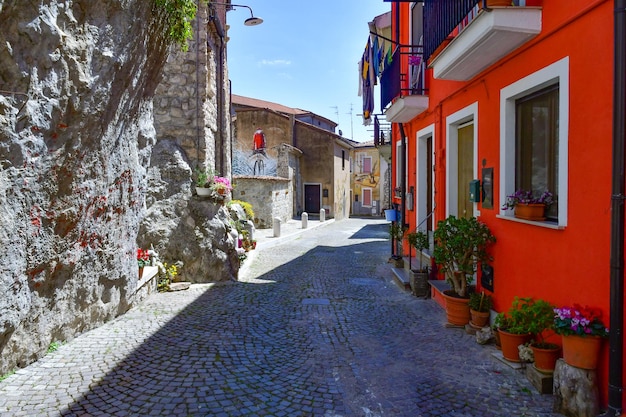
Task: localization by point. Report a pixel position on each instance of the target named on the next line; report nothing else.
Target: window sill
(547, 225)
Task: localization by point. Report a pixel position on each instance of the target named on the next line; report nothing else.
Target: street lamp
(251, 21)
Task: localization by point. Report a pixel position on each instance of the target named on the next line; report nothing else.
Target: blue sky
(304, 55)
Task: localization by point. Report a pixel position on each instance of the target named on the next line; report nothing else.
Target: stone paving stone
(314, 327)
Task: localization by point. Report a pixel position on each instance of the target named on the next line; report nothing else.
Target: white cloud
(274, 62)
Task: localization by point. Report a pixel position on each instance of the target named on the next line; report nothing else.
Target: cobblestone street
(314, 327)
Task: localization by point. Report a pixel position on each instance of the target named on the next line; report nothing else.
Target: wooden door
(466, 170)
(312, 198)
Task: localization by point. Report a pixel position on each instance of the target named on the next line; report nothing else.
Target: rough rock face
(195, 231)
(76, 131)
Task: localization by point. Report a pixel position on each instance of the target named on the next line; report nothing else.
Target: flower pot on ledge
(532, 212)
(581, 351)
(203, 191)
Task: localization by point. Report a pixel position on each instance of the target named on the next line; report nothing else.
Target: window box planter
(532, 212)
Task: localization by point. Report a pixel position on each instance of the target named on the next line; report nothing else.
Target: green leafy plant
(480, 302)
(5, 376)
(178, 15)
(204, 178)
(396, 231)
(460, 246)
(528, 316)
(54, 346)
(419, 241)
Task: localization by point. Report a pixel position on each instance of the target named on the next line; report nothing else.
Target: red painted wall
(561, 266)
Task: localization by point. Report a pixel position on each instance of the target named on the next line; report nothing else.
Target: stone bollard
(276, 227)
(305, 220)
(322, 215)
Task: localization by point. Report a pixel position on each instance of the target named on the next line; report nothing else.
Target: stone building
(320, 174)
(369, 181)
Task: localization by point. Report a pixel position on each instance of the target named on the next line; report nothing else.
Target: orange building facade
(517, 97)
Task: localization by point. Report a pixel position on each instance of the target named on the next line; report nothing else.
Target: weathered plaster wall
(270, 198)
(370, 180)
(76, 132)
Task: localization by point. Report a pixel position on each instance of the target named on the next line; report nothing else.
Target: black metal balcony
(441, 17)
(463, 38)
(409, 101)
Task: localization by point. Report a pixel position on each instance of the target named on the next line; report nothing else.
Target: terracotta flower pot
(545, 358)
(479, 319)
(534, 212)
(509, 343)
(457, 309)
(582, 351)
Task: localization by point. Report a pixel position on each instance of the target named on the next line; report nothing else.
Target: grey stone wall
(270, 197)
(193, 130)
(76, 132)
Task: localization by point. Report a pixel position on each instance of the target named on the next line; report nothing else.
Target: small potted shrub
(480, 309)
(541, 324)
(203, 182)
(460, 246)
(418, 277)
(526, 319)
(396, 232)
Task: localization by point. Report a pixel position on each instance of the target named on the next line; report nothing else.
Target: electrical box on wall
(474, 191)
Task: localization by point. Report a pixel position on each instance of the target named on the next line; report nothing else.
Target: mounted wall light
(251, 21)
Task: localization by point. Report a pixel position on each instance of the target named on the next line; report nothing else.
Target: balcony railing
(442, 17)
(395, 76)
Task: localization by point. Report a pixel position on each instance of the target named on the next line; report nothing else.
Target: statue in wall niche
(258, 152)
(258, 142)
(256, 163)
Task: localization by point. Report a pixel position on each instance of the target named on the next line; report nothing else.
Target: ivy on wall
(178, 15)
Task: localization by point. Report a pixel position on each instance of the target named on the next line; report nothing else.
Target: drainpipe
(616, 342)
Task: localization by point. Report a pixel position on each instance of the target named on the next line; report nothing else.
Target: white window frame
(466, 115)
(398, 156)
(421, 205)
(557, 72)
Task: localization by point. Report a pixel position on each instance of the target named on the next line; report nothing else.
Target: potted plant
(515, 327)
(527, 205)
(480, 309)
(143, 259)
(541, 323)
(460, 246)
(583, 331)
(203, 182)
(418, 277)
(221, 185)
(396, 232)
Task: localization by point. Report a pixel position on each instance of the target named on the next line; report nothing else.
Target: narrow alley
(315, 327)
